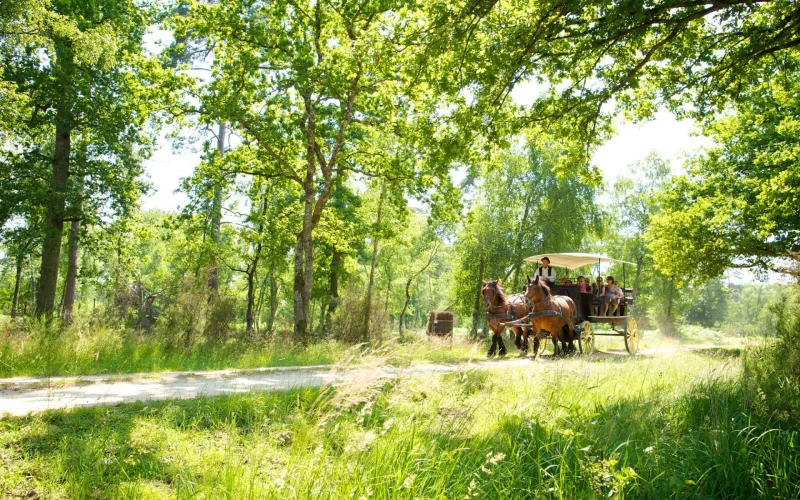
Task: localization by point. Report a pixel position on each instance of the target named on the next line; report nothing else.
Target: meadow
(687, 425)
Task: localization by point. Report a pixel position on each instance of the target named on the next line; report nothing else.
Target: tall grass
(593, 427)
(38, 349)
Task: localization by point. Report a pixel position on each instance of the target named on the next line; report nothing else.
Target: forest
(362, 163)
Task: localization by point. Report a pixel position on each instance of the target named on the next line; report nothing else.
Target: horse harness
(529, 305)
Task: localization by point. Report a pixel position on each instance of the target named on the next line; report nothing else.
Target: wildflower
(471, 490)
(486, 471)
(649, 449)
(496, 459)
(409, 482)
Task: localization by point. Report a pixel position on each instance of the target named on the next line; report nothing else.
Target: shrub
(348, 322)
(772, 367)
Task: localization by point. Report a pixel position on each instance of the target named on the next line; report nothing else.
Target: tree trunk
(252, 269)
(333, 304)
(216, 220)
(373, 263)
(17, 285)
(476, 312)
(668, 320)
(303, 272)
(72, 270)
(386, 300)
(54, 217)
(251, 294)
(273, 297)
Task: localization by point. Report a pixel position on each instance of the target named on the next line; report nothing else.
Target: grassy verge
(642, 427)
(83, 350)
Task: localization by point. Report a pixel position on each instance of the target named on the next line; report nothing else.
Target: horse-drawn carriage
(559, 312)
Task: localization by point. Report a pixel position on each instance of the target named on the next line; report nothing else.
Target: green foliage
(737, 205)
(772, 368)
(708, 304)
(522, 207)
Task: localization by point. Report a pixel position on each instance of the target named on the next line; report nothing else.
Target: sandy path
(20, 396)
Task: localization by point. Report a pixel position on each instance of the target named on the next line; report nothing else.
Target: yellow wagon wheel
(631, 335)
(586, 341)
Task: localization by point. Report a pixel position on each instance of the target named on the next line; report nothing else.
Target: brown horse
(502, 309)
(561, 326)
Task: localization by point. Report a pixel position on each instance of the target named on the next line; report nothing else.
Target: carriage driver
(546, 272)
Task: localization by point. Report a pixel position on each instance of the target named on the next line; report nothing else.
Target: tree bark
(251, 291)
(216, 219)
(373, 264)
(476, 312)
(17, 285)
(64, 69)
(333, 304)
(252, 269)
(303, 262)
(273, 297)
(72, 270)
(669, 325)
(54, 219)
(410, 280)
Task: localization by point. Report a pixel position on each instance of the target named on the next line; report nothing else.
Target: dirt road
(20, 396)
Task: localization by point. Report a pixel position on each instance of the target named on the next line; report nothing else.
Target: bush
(348, 321)
(772, 368)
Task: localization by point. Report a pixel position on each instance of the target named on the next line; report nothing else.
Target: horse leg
(570, 344)
(503, 351)
(525, 334)
(535, 347)
(493, 347)
(521, 342)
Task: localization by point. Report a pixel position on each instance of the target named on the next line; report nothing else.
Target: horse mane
(545, 287)
(501, 294)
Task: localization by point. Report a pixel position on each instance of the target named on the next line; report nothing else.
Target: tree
(596, 59)
(737, 205)
(96, 85)
(308, 87)
(635, 203)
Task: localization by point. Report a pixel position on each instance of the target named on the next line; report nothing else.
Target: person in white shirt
(546, 272)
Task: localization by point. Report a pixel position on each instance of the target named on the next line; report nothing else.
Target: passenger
(598, 290)
(566, 281)
(620, 298)
(611, 296)
(546, 272)
(583, 286)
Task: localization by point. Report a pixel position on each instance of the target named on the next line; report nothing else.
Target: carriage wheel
(631, 335)
(586, 340)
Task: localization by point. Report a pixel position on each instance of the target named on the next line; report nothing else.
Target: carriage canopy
(574, 260)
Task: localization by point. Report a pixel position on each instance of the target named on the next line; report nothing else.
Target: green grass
(87, 350)
(36, 350)
(645, 427)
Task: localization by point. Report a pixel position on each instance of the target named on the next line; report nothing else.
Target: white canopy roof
(573, 260)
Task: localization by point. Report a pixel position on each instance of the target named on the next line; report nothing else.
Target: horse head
(536, 289)
(491, 291)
